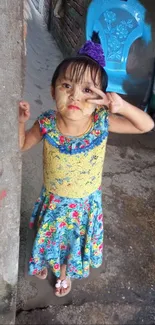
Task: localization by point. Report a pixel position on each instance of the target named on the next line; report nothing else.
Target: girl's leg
(62, 277)
(62, 271)
(63, 285)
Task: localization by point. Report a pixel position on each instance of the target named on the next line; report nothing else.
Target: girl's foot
(42, 275)
(63, 287)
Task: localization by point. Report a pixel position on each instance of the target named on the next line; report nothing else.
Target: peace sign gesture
(112, 100)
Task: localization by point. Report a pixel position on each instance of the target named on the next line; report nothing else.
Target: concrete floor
(122, 291)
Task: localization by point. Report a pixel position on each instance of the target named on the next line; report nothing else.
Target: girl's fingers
(97, 91)
(103, 100)
(109, 96)
(22, 103)
(98, 101)
(24, 106)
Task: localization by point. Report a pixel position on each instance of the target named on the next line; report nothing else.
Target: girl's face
(71, 96)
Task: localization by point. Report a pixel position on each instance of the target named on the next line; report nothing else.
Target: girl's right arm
(27, 139)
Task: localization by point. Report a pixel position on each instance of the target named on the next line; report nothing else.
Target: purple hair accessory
(95, 51)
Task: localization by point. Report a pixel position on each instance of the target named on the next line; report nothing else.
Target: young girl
(70, 233)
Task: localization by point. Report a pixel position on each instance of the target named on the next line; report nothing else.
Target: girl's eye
(88, 91)
(65, 85)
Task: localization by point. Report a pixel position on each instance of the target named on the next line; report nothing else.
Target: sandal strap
(58, 284)
(62, 284)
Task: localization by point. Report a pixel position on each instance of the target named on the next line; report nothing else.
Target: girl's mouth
(73, 107)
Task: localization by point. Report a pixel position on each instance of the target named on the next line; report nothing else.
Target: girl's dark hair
(78, 66)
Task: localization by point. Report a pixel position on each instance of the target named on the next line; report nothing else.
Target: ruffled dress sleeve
(46, 121)
(101, 119)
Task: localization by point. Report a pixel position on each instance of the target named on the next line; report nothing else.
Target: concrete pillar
(11, 53)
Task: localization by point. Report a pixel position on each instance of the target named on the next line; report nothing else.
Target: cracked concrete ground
(122, 290)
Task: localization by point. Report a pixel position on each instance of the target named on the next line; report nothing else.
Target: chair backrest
(119, 23)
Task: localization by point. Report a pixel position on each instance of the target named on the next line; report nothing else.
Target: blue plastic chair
(119, 23)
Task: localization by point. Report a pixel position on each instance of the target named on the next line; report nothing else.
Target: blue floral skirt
(70, 231)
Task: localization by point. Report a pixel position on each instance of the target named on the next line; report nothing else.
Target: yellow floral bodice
(73, 166)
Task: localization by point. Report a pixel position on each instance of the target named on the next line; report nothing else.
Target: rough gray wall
(11, 52)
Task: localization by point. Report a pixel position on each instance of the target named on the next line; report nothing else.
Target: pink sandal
(65, 284)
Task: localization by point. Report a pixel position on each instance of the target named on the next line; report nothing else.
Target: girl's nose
(75, 93)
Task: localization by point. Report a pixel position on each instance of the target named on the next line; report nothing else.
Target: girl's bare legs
(63, 271)
(63, 284)
(62, 277)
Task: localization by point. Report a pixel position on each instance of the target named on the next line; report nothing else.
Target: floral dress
(69, 209)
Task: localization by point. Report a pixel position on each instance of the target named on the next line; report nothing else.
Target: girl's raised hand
(24, 112)
(116, 103)
(112, 100)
